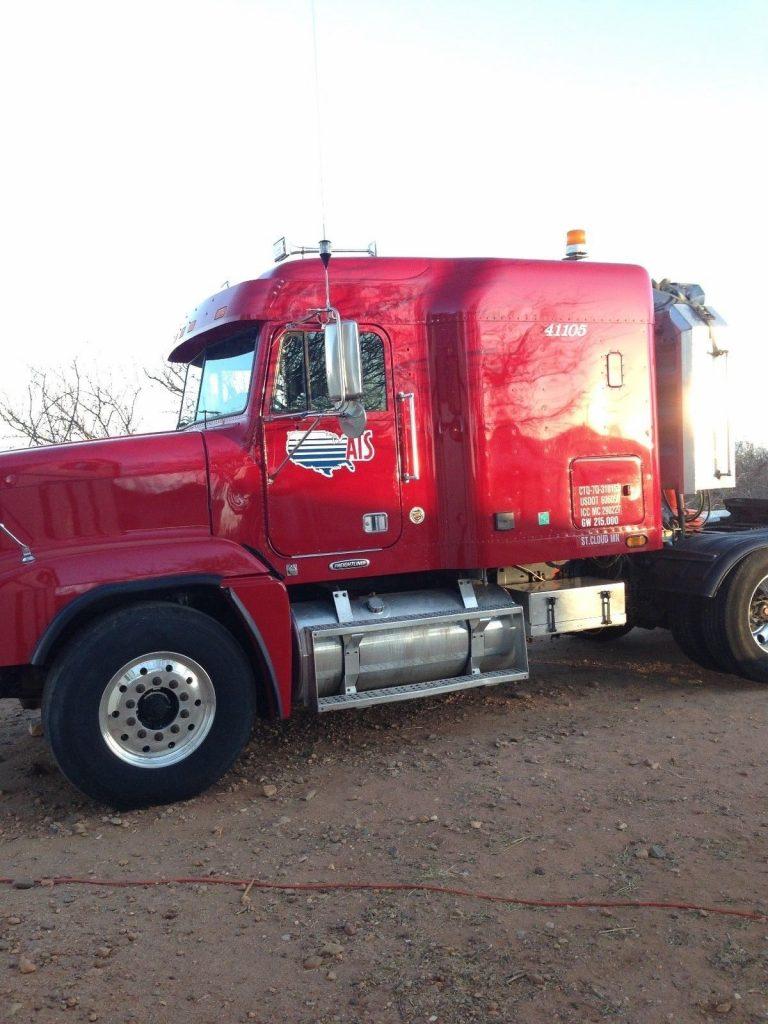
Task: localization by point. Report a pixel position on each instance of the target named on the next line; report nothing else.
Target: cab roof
(400, 290)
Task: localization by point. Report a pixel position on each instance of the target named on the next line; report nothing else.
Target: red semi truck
(375, 508)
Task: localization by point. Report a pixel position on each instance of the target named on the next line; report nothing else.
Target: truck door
(327, 493)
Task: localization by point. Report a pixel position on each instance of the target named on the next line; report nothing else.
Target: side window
(318, 384)
(290, 390)
(300, 382)
(374, 374)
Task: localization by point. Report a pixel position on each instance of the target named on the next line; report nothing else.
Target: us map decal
(325, 452)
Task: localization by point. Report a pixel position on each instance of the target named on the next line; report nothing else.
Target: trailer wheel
(689, 632)
(736, 620)
(149, 705)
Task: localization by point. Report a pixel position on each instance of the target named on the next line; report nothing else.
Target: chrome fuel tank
(405, 638)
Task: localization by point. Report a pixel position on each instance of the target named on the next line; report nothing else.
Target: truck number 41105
(565, 330)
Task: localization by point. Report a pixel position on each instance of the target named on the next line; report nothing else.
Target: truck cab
(491, 411)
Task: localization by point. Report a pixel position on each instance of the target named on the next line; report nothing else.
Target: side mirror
(343, 363)
(352, 421)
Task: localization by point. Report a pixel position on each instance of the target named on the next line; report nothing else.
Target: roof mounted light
(282, 249)
(576, 244)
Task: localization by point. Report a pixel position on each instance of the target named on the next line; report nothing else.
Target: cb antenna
(324, 244)
(319, 123)
(325, 256)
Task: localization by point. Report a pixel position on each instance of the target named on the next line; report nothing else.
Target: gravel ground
(619, 772)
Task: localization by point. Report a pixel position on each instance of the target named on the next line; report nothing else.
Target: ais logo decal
(325, 452)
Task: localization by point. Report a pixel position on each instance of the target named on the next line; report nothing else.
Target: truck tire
(736, 620)
(149, 705)
(688, 630)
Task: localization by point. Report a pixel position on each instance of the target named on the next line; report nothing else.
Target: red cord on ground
(252, 883)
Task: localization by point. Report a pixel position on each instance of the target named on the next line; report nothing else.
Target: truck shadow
(613, 676)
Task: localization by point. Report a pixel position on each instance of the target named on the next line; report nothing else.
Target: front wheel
(149, 705)
(736, 620)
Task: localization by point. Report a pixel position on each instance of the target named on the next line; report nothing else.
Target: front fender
(265, 610)
(34, 598)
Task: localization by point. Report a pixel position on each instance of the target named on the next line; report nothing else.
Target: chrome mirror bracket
(26, 550)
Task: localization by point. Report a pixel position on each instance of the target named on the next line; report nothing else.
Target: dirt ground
(619, 772)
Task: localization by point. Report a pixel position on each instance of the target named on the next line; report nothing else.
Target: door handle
(408, 398)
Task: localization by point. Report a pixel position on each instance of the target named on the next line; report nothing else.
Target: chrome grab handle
(413, 474)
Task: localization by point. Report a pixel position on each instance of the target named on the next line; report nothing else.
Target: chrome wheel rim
(157, 709)
(758, 615)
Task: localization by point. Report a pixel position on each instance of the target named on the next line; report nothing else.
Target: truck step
(411, 691)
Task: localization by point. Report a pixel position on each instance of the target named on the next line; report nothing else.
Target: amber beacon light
(576, 244)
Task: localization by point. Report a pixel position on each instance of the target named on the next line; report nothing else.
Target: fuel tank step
(367, 698)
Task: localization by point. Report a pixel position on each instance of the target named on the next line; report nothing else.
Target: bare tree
(170, 376)
(68, 404)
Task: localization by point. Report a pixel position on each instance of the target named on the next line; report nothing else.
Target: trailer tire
(736, 620)
(148, 705)
(688, 630)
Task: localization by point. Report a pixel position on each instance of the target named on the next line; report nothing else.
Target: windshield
(218, 381)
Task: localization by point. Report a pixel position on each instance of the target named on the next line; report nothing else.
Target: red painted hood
(98, 492)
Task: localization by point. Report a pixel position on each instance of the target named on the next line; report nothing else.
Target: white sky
(153, 150)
